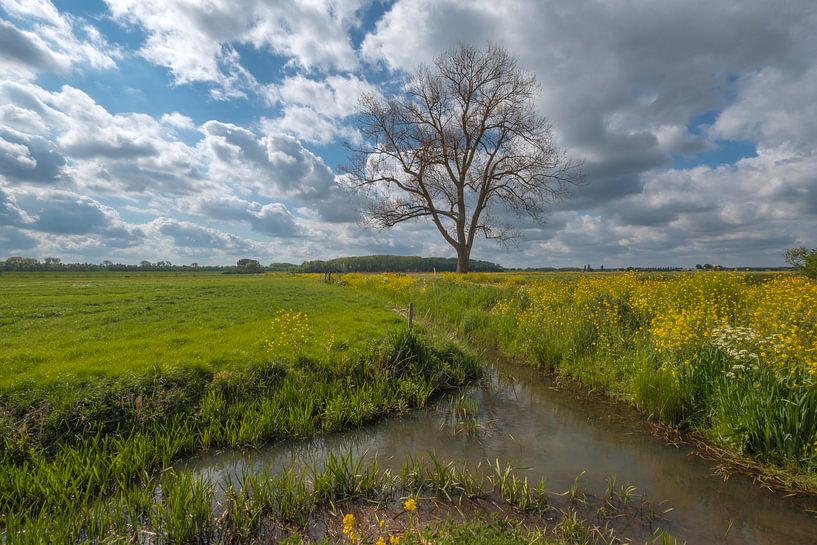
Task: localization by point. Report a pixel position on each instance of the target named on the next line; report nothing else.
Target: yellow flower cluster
(290, 331)
(563, 304)
(683, 309)
(674, 314)
(410, 505)
(484, 278)
(349, 527)
(349, 522)
(455, 277)
(784, 312)
(502, 307)
(390, 283)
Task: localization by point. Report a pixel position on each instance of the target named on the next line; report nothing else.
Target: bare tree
(462, 142)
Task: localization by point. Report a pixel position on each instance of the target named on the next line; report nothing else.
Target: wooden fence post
(410, 316)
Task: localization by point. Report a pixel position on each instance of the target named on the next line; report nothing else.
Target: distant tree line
(55, 264)
(372, 263)
(395, 263)
(801, 259)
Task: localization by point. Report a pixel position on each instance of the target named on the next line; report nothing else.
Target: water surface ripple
(558, 434)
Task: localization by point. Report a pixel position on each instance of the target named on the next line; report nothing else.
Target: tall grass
(179, 509)
(730, 356)
(47, 469)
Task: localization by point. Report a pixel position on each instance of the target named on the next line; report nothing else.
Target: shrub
(803, 260)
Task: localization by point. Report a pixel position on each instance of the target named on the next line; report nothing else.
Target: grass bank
(352, 500)
(111, 378)
(729, 357)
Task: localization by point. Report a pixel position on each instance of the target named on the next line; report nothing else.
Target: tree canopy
(394, 263)
(803, 260)
(461, 147)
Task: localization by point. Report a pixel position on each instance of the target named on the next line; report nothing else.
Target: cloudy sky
(210, 130)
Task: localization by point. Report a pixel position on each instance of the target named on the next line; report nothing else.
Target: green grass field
(106, 380)
(56, 327)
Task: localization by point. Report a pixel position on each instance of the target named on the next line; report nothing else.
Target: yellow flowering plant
(290, 331)
(730, 354)
(349, 527)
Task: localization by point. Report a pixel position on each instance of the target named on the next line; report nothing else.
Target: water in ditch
(557, 433)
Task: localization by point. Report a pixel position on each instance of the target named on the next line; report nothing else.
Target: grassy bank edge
(121, 435)
(353, 500)
(472, 325)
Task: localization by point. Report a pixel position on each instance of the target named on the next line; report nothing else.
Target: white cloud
(80, 179)
(109, 153)
(335, 96)
(193, 235)
(42, 10)
(21, 120)
(54, 42)
(65, 213)
(178, 121)
(313, 110)
(272, 165)
(25, 53)
(10, 213)
(773, 106)
(273, 219)
(196, 41)
(308, 125)
(17, 154)
(748, 213)
(612, 95)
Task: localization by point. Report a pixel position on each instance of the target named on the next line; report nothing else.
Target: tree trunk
(462, 259)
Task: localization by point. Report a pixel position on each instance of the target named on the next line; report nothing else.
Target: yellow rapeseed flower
(290, 331)
(349, 525)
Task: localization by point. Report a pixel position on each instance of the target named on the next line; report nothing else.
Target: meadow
(731, 357)
(68, 325)
(107, 380)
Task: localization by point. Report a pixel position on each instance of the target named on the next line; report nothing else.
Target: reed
(177, 508)
(247, 408)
